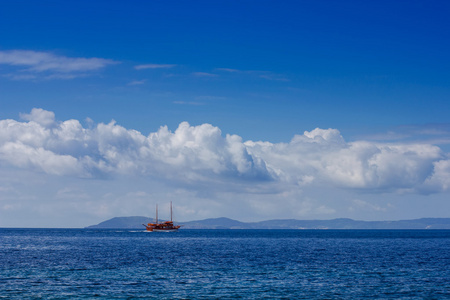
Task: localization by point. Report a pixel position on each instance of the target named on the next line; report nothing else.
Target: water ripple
(249, 264)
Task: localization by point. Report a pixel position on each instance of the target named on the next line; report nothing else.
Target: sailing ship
(164, 226)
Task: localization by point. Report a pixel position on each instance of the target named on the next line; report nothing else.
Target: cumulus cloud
(66, 148)
(323, 157)
(203, 154)
(52, 65)
(40, 116)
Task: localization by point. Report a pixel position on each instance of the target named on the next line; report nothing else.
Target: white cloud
(261, 74)
(40, 116)
(199, 155)
(154, 66)
(194, 103)
(204, 74)
(273, 77)
(435, 133)
(209, 98)
(66, 148)
(137, 82)
(358, 204)
(324, 158)
(228, 70)
(53, 66)
(440, 179)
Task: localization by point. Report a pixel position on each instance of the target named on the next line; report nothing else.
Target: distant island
(226, 223)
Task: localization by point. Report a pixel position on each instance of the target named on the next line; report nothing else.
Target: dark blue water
(205, 264)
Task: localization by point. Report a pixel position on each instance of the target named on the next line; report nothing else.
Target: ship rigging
(163, 226)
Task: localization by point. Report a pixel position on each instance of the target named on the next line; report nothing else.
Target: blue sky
(366, 83)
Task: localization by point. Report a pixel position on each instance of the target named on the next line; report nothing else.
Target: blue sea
(225, 264)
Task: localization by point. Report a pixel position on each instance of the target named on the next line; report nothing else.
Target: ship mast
(156, 214)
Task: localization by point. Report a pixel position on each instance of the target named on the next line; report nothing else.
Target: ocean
(224, 264)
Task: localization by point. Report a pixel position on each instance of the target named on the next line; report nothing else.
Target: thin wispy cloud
(427, 133)
(228, 70)
(274, 77)
(189, 103)
(358, 204)
(261, 74)
(34, 64)
(203, 74)
(154, 66)
(210, 98)
(20, 77)
(137, 82)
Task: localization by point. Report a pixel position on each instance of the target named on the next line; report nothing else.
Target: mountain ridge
(135, 222)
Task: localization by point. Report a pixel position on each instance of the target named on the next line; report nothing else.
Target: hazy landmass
(226, 223)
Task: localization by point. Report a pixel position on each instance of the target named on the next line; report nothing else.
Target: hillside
(226, 223)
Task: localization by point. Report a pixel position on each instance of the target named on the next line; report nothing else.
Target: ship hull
(167, 226)
(164, 226)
